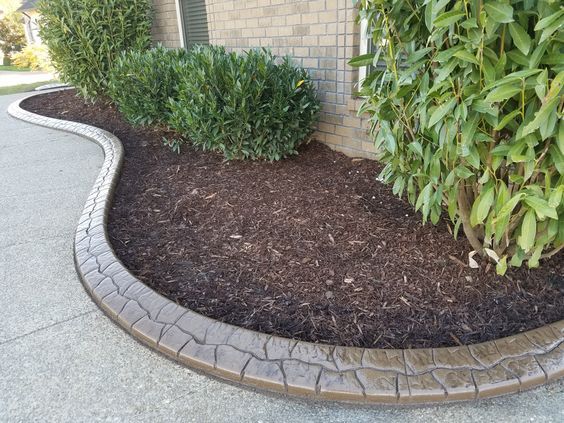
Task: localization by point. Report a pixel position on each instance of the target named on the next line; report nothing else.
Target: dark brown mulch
(312, 247)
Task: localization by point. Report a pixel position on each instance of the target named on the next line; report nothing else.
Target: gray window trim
(180, 23)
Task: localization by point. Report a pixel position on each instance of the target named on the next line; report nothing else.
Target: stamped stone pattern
(494, 368)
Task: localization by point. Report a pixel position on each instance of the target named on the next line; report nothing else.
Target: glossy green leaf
(441, 111)
(555, 199)
(469, 129)
(506, 119)
(501, 266)
(519, 58)
(560, 137)
(483, 106)
(362, 60)
(463, 172)
(482, 206)
(549, 20)
(489, 71)
(556, 86)
(541, 115)
(429, 15)
(518, 257)
(499, 12)
(466, 56)
(502, 197)
(537, 55)
(502, 93)
(447, 18)
(534, 259)
(520, 37)
(557, 158)
(507, 209)
(541, 207)
(528, 231)
(417, 55)
(416, 148)
(550, 30)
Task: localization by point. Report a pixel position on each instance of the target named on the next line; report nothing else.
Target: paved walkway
(9, 78)
(62, 360)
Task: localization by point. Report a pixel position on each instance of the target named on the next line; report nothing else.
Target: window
(194, 22)
(365, 48)
(367, 45)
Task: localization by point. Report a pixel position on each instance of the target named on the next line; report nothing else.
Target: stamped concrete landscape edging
(365, 375)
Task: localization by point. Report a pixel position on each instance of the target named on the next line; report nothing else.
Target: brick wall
(165, 24)
(321, 35)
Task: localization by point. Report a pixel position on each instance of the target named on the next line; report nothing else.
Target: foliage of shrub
(246, 106)
(141, 83)
(86, 36)
(468, 116)
(12, 36)
(34, 57)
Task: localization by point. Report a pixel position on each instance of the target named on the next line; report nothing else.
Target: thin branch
(464, 210)
(552, 253)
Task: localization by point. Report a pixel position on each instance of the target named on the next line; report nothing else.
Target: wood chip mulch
(312, 247)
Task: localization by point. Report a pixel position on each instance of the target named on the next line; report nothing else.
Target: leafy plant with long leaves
(142, 82)
(85, 37)
(247, 106)
(467, 114)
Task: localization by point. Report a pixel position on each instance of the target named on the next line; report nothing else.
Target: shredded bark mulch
(312, 247)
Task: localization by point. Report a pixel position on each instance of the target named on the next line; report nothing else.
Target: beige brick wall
(165, 24)
(321, 35)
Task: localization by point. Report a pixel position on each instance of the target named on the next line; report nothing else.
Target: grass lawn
(12, 68)
(22, 88)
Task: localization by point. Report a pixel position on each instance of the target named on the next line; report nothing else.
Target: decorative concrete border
(273, 363)
(51, 86)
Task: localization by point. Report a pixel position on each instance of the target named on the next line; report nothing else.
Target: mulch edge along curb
(362, 375)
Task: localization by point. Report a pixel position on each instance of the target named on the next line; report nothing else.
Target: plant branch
(464, 211)
(552, 253)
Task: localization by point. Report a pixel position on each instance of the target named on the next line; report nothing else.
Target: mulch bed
(312, 248)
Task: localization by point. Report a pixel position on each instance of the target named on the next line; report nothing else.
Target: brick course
(321, 36)
(165, 23)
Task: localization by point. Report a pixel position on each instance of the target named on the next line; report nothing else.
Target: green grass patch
(13, 68)
(22, 88)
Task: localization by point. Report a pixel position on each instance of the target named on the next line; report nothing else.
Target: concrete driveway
(62, 360)
(10, 78)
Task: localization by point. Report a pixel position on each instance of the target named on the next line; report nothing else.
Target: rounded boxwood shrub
(246, 106)
(467, 114)
(86, 36)
(142, 82)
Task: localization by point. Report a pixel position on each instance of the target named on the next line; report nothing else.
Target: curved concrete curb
(269, 362)
(52, 86)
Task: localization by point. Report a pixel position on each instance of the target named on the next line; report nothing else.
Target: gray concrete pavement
(9, 78)
(62, 360)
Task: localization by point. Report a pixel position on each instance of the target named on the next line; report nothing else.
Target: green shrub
(141, 83)
(34, 57)
(467, 114)
(86, 36)
(245, 106)
(12, 36)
